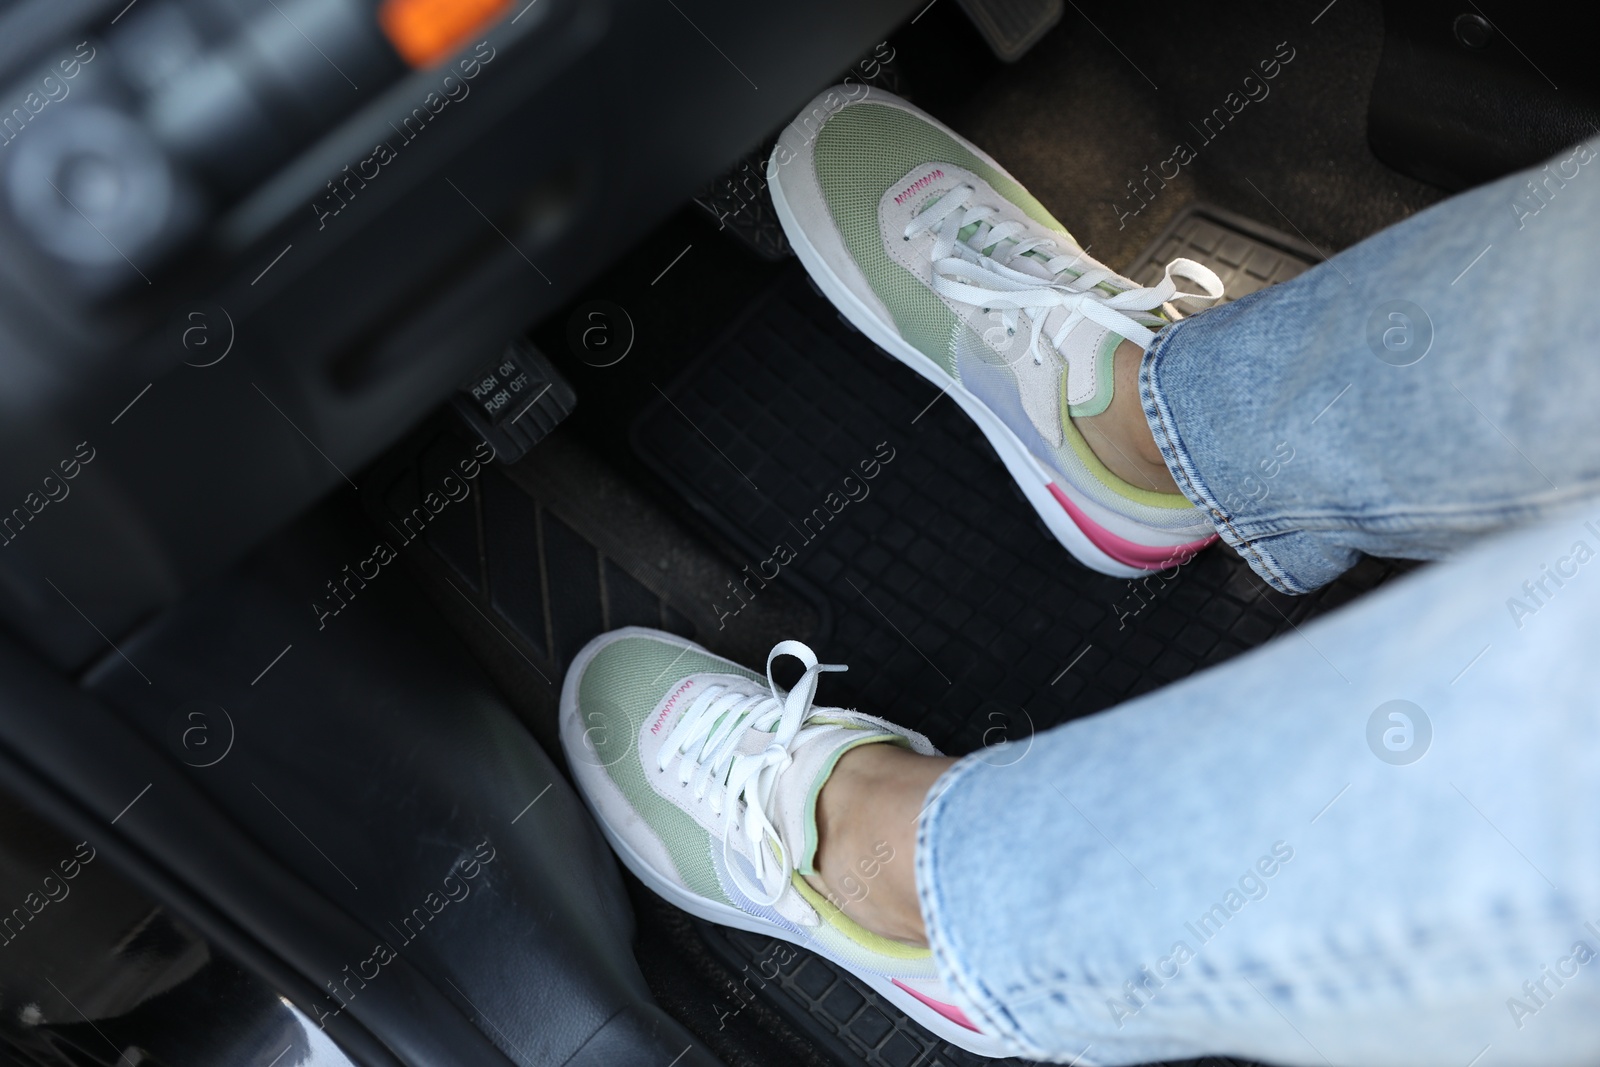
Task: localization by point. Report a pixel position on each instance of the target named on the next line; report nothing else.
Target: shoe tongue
(1027, 264)
(1034, 262)
(799, 786)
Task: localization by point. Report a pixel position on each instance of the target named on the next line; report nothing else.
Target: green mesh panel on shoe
(860, 152)
(621, 685)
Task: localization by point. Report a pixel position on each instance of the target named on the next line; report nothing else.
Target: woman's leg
(1434, 383)
(1356, 845)
(1376, 840)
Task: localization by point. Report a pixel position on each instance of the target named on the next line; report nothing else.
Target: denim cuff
(1290, 562)
(981, 1005)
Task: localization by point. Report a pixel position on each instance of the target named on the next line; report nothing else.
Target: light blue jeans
(1375, 840)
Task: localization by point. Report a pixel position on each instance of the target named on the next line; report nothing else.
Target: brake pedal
(1011, 27)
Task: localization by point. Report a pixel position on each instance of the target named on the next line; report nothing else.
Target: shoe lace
(980, 271)
(706, 740)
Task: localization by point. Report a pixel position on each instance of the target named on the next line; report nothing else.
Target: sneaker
(704, 777)
(938, 255)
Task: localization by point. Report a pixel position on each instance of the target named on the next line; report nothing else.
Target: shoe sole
(1052, 499)
(725, 914)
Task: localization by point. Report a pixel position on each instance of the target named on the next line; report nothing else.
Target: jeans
(1375, 840)
(1434, 383)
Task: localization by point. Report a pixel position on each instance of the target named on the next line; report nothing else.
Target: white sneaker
(937, 254)
(704, 777)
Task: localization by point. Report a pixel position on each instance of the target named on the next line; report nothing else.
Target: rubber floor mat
(845, 476)
(831, 464)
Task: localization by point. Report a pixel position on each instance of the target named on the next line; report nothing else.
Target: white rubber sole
(714, 911)
(1030, 475)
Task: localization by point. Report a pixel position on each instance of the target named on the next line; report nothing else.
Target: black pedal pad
(739, 203)
(1247, 255)
(1011, 27)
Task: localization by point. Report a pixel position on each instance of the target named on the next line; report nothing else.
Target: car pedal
(1011, 27)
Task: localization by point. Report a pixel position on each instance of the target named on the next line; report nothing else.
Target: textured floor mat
(530, 561)
(845, 477)
(829, 462)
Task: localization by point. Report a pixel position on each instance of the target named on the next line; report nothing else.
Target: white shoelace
(706, 740)
(977, 271)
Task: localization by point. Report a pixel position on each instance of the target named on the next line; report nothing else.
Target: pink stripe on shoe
(949, 1011)
(1146, 557)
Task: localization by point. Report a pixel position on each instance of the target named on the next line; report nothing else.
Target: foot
(1120, 435)
(867, 817)
(704, 777)
(929, 248)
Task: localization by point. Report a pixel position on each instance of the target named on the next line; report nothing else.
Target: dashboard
(246, 245)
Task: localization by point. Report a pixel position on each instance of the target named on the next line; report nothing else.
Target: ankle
(1120, 435)
(866, 838)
